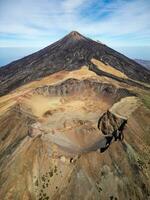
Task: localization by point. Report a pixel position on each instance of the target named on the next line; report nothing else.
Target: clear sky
(37, 23)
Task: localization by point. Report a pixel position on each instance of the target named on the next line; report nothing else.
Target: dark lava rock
(69, 53)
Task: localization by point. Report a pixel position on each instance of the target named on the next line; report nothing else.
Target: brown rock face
(110, 123)
(77, 87)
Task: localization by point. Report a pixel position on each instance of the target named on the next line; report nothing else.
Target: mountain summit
(76, 35)
(69, 53)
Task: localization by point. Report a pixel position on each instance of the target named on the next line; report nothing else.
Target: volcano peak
(75, 35)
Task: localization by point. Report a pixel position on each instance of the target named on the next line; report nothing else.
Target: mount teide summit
(74, 124)
(69, 53)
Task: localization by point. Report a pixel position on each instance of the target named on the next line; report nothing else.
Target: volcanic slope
(70, 53)
(59, 125)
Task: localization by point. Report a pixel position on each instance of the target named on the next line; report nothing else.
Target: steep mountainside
(69, 53)
(75, 125)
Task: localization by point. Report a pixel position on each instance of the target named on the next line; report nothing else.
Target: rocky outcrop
(75, 86)
(109, 123)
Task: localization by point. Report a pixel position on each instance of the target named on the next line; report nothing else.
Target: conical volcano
(69, 53)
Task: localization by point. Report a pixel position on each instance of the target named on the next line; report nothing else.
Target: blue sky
(37, 23)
